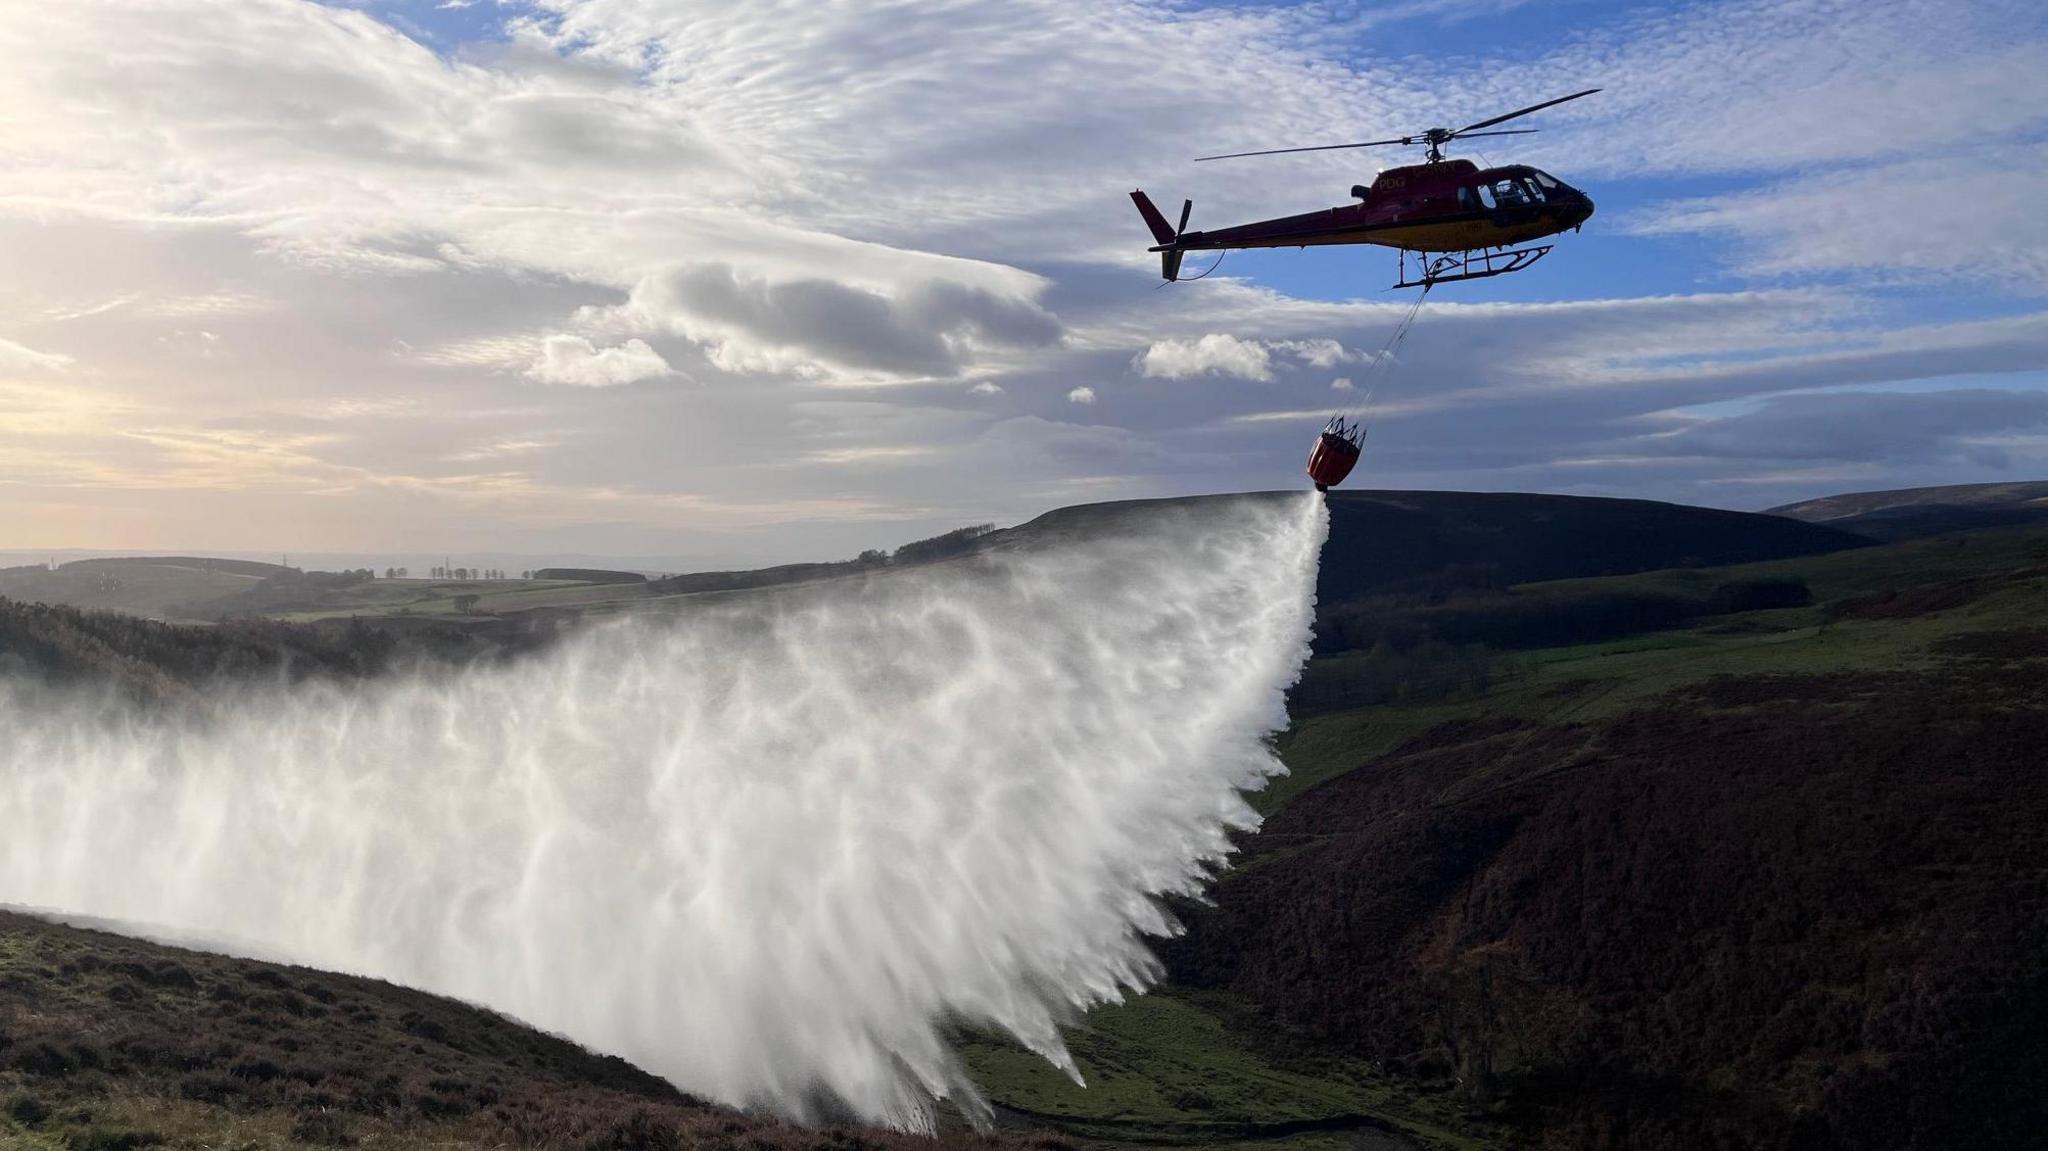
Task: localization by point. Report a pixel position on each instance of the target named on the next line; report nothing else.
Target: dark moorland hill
(1773, 880)
(1383, 541)
(1909, 513)
(113, 1044)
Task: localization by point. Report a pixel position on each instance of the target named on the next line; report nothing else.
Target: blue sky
(738, 283)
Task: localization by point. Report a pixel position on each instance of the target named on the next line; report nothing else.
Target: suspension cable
(1382, 359)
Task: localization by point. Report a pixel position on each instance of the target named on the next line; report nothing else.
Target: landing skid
(1428, 271)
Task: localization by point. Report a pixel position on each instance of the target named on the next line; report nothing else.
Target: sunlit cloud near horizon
(786, 280)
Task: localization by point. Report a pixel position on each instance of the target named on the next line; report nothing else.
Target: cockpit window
(1543, 180)
(1513, 193)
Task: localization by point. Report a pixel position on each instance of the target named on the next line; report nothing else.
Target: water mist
(764, 846)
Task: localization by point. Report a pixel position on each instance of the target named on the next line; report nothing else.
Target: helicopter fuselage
(1450, 206)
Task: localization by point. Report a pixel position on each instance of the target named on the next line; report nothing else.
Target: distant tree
(466, 603)
(952, 543)
(873, 557)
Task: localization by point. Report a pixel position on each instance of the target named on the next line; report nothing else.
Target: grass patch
(1162, 1067)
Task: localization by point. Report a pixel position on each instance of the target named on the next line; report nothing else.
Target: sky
(737, 283)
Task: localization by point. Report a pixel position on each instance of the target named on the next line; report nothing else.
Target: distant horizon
(679, 563)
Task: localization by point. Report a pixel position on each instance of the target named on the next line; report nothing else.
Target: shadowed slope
(1771, 882)
(1379, 540)
(109, 1042)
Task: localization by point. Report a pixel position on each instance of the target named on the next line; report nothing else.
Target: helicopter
(1448, 217)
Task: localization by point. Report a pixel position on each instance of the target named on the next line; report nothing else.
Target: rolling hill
(162, 587)
(1769, 880)
(1909, 513)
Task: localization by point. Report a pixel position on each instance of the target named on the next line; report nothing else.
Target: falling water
(766, 846)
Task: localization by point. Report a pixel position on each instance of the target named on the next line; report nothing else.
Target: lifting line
(1191, 279)
(1376, 370)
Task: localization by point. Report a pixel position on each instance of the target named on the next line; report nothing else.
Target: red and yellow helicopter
(1448, 219)
(1456, 220)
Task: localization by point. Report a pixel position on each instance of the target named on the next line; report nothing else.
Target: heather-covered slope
(112, 1044)
(1383, 541)
(1774, 880)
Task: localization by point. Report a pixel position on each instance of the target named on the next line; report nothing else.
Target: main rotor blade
(1523, 112)
(1313, 148)
(1502, 132)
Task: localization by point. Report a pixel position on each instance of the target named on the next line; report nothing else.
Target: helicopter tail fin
(1169, 250)
(1153, 220)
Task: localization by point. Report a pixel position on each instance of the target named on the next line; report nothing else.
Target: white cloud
(1219, 354)
(1341, 384)
(986, 388)
(1216, 354)
(1325, 353)
(1081, 395)
(1786, 85)
(574, 360)
(16, 358)
(1891, 221)
(927, 327)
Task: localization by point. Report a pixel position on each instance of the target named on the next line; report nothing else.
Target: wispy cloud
(17, 358)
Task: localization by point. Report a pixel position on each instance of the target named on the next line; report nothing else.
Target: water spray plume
(766, 847)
